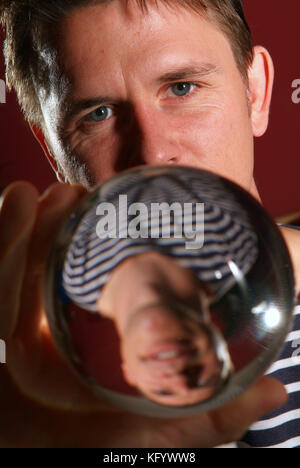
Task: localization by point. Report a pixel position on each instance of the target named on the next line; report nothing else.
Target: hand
(42, 402)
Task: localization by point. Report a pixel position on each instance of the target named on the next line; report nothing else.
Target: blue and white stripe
(228, 237)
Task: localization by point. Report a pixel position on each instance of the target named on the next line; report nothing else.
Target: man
(107, 86)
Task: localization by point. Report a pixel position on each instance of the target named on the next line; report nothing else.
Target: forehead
(108, 40)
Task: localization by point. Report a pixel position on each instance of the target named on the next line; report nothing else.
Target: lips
(167, 355)
(170, 352)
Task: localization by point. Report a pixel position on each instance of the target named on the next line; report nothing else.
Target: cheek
(220, 140)
(100, 154)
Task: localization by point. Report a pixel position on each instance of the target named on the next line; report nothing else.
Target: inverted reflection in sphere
(172, 357)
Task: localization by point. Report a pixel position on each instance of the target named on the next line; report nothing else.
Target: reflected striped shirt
(184, 206)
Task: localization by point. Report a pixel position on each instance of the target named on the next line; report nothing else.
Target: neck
(254, 192)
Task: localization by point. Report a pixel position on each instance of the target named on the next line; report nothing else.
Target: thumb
(266, 395)
(228, 423)
(54, 206)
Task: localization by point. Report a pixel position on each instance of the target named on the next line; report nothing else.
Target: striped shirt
(281, 428)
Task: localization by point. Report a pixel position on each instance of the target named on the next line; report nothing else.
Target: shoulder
(292, 238)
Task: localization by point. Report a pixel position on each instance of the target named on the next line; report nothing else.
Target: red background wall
(275, 24)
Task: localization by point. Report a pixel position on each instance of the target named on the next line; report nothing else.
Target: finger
(17, 216)
(54, 207)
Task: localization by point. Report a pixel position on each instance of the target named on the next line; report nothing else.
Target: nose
(155, 140)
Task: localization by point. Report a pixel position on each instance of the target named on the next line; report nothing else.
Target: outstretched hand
(42, 401)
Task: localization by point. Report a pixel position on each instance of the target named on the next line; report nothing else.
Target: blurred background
(274, 24)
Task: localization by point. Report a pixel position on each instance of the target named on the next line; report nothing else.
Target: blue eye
(100, 114)
(182, 89)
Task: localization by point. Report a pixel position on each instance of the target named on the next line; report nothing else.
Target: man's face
(160, 87)
(171, 360)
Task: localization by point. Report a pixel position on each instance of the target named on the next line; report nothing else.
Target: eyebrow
(187, 72)
(159, 391)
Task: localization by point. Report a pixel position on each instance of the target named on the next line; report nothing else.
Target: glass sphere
(209, 228)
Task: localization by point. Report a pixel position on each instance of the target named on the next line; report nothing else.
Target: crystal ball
(191, 358)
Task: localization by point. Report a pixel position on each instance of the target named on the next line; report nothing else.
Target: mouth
(170, 352)
(180, 359)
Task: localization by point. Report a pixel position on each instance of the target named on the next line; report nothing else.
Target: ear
(39, 136)
(261, 78)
